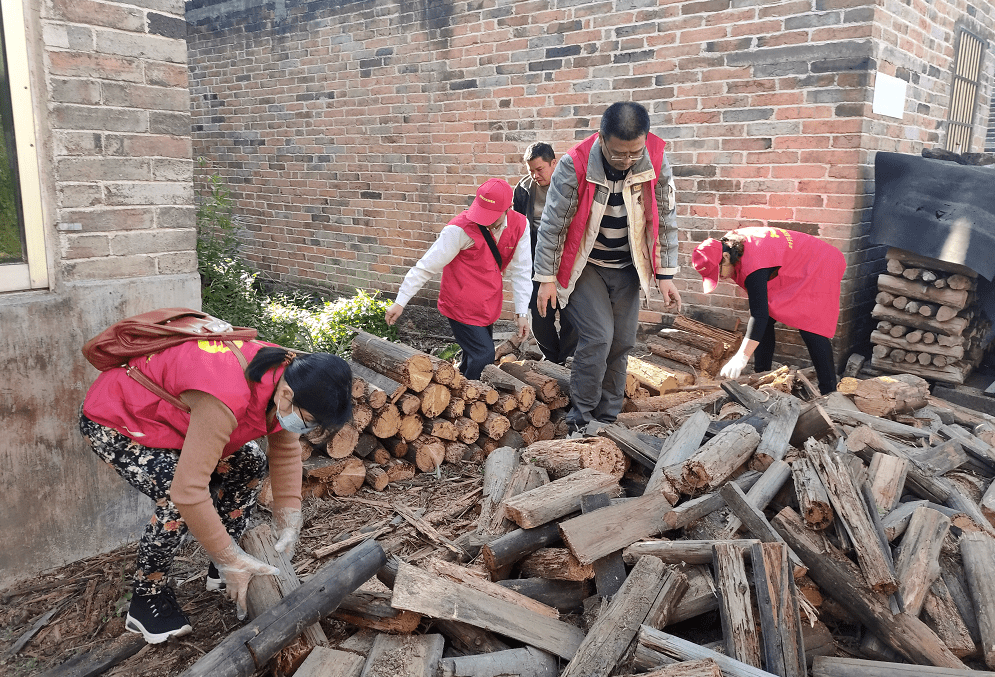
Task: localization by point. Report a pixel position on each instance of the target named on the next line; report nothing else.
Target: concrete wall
(109, 91)
(352, 131)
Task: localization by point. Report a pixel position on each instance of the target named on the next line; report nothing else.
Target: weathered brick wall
(119, 114)
(352, 131)
(111, 114)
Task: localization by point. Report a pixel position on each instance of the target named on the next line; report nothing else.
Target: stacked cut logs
(928, 321)
(413, 411)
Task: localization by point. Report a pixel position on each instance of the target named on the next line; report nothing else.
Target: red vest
(581, 154)
(118, 401)
(471, 290)
(806, 292)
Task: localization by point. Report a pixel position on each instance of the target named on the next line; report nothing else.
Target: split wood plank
(658, 642)
(325, 662)
(842, 580)
(474, 580)
(675, 584)
(978, 552)
(609, 571)
(404, 656)
(917, 560)
(739, 629)
(846, 500)
(617, 625)
(777, 603)
(525, 662)
(595, 535)
(677, 552)
(422, 592)
(777, 435)
(838, 666)
(650, 375)
(761, 493)
(754, 519)
(498, 468)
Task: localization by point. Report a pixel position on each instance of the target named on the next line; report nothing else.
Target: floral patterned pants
(235, 484)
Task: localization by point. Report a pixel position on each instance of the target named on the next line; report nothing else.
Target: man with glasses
(607, 230)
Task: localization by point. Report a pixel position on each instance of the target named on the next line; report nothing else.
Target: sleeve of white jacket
(520, 273)
(451, 240)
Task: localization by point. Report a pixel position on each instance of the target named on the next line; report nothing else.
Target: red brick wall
(351, 134)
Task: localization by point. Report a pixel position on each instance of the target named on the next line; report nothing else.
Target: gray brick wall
(120, 125)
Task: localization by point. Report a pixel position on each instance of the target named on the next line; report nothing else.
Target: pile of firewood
(412, 412)
(870, 508)
(927, 321)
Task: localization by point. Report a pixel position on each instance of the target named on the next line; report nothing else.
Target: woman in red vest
(472, 253)
(790, 277)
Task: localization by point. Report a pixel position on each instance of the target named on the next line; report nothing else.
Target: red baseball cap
(493, 199)
(707, 259)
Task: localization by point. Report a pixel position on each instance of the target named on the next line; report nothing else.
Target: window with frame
(964, 89)
(23, 263)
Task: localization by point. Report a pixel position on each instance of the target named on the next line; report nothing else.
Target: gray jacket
(561, 206)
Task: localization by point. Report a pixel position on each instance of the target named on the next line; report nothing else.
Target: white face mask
(293, 423)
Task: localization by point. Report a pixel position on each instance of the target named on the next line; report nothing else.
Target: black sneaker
(157, 617)
(214, 580)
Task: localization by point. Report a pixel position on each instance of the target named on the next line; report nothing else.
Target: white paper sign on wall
(889, 95)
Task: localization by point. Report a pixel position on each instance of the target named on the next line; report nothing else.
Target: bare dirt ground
(81, 606)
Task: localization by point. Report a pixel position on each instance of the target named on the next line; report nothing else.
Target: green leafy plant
(231, 289)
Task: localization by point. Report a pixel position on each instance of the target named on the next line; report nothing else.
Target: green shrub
(230, 289)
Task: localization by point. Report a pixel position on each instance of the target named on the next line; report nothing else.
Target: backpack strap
(486, 232)
(161, 392)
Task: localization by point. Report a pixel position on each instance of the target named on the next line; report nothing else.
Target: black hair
(733, 243)
(625, 121)
(539, 150)
(322, 382)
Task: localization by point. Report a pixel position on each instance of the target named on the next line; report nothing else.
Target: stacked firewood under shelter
(928, 320)
(850, 534)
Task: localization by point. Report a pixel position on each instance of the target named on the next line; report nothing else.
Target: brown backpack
(155, 331)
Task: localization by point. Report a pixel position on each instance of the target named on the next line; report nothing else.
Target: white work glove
(734, 367)
(288, 522)
(237, 568)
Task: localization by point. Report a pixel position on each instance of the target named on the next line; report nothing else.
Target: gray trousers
(604, 310)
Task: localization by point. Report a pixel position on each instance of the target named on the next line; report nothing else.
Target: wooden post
(754, 519)
(325, 662)
(735, 608)
(887, 479)
(777, 601)
(615, 628)
(941, 614)
(498, 467)
(676, 449)
(252, 646)
(513, 546)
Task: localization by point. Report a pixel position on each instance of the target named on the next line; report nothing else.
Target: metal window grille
(964, 92)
